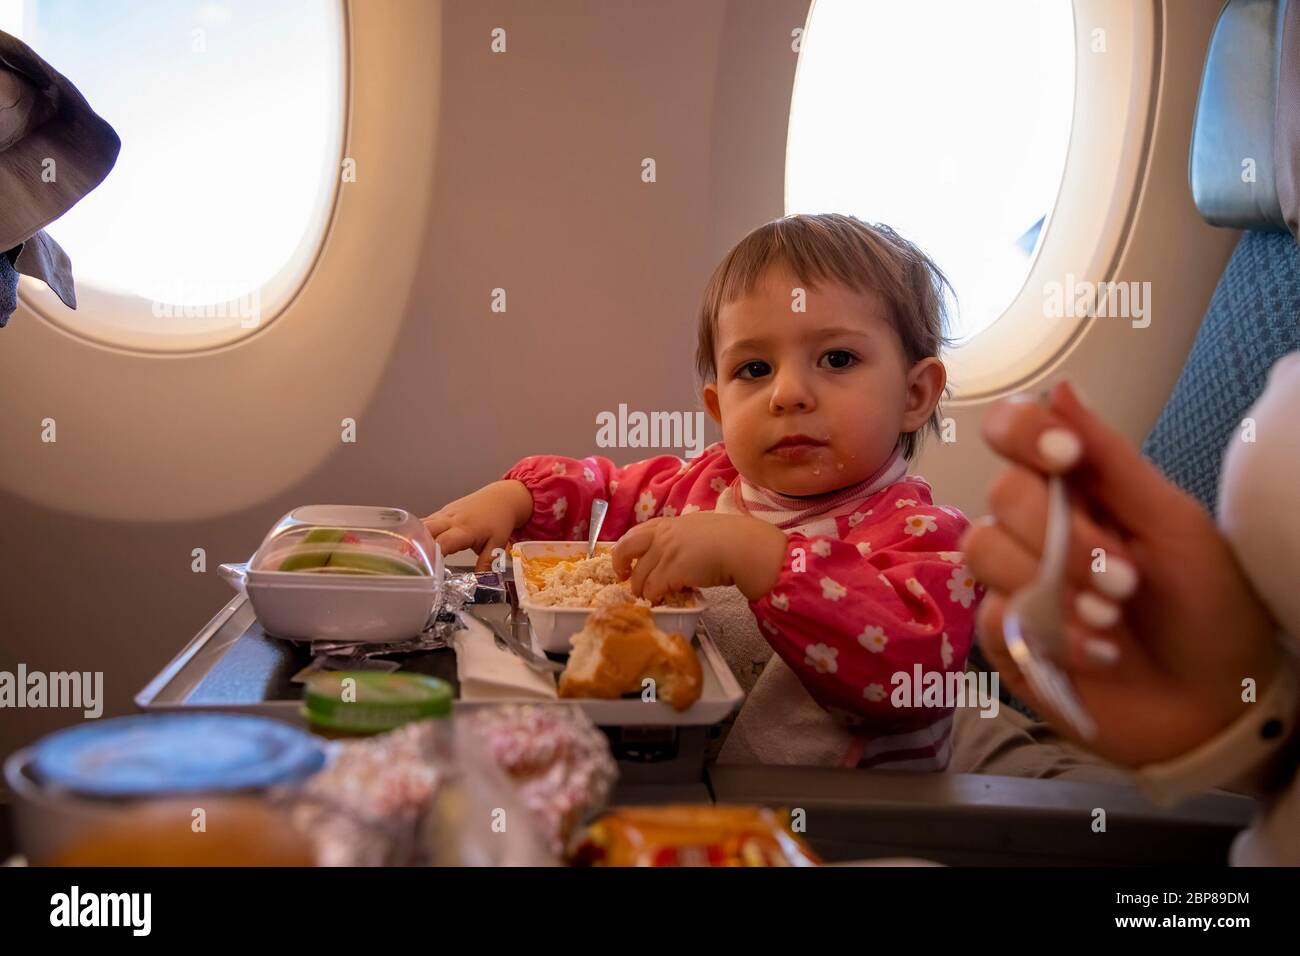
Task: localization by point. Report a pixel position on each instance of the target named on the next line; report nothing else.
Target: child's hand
(703, 549)
(482, 521)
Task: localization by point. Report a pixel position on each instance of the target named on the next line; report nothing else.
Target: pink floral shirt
(870, 588)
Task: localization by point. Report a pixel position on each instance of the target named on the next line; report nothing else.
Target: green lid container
(368, 702)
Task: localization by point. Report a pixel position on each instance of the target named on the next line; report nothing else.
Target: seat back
(1243, 170)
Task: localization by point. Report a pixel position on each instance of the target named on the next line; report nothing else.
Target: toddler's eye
(838, 358)
(754, 369)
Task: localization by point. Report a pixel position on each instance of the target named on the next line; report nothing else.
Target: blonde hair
(831, 247)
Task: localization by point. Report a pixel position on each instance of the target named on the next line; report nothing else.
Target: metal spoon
(1033, 625)
(506, 636)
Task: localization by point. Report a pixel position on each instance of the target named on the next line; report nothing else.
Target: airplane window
(230, 115)
(945, 119)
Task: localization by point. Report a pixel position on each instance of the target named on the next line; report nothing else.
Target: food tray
(232, 665)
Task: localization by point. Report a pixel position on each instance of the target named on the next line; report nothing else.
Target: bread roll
(619, 647)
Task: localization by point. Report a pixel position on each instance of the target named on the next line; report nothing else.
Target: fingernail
(1100, 652)
(1096, 611)
(1119, 580)
(1021, 397)
(1060, 447)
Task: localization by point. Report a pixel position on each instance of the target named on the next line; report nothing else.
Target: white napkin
(486, 672)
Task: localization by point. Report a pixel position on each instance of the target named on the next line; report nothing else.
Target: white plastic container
(554, 627)
(343, 573)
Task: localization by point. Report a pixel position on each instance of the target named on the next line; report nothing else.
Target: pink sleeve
(893, 592)
(564, 488)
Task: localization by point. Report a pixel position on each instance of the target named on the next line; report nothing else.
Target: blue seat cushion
(8, 289)
(1252, 321)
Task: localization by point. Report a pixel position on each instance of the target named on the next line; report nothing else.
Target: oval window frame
(111, 320)
(1081, 237)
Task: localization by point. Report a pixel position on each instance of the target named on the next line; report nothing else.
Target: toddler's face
(814, 401)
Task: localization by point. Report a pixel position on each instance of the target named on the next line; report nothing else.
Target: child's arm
(563, 489)
(847, 615)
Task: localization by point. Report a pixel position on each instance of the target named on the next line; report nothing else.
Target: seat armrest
(973, 819)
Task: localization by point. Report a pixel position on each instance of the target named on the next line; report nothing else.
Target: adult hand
(1161, 641)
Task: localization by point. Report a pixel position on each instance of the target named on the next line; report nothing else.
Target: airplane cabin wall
(475, 171)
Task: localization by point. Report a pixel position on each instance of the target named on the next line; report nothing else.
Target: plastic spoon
(598, 509)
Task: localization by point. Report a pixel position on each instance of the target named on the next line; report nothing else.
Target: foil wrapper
(425, 794)
(558, 760)
(367, 806)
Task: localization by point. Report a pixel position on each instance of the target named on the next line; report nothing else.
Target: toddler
(818, 350)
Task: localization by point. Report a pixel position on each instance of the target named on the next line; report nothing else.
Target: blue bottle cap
(153, 755)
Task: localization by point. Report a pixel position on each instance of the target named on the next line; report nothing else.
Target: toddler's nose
(790, 394)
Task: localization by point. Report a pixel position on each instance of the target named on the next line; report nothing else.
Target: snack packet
(686, 835)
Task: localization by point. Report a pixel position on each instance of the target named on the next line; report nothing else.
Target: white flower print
(874, 693)
(669, 511)
(915, 587)
(589, 475)
(945, 652)
(613, 485)
(770, 627)
(873, 638)
(718, 484)
(864, 548)
(952, 557)
(962, 586)
(904, 502)
(559, 508)
(580, 530)
(821, 658)
(884, 580)
(780, 602)
(822, 548)
(645, 506)
(557, 468)
(690, 510)
(917, 525)
(855, 519)
(832, 590)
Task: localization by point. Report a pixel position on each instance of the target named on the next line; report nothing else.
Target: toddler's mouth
(794, 447)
